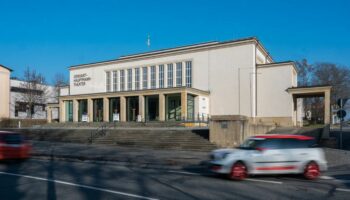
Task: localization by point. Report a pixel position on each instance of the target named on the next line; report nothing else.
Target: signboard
(139, 118)
(341, 102)
(85, 118)
(81, 79)
(341, 114)
(116, 117)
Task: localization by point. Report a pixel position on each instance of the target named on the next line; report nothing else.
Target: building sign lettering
(81, 79)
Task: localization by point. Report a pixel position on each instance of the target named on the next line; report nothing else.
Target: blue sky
(52, 35)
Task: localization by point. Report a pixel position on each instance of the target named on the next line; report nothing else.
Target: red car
(14, 146)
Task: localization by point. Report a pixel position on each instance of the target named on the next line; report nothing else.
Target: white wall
(4, 92)
(216, 70)
(203, 106)
(97, 84)
(231, 74)
(273, 99)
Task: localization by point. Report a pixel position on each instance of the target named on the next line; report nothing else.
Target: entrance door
(152, 108)
(132, 108)
(69, 111)
(82, 109)
(174, 107)
(114, 109)
(98, 110)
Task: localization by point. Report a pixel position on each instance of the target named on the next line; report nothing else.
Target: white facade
(18, 104)
(239, 76)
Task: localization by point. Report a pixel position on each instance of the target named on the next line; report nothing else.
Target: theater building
(192, 82)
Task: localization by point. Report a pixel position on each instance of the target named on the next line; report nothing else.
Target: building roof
(6, 67)
(198, 46)
(275, 64)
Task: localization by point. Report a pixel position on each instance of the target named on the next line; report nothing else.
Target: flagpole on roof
(148, 41)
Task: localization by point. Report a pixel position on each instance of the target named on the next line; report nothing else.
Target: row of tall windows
(145, 77)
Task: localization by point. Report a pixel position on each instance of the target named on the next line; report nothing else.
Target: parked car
(14, 146)
(270, 154)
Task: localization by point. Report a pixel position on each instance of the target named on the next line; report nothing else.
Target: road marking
(342, 189)
(80, 185)
(263, 181)
(326, 177)
(248, 179)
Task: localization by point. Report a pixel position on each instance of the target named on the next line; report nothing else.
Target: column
(122, 109)
(49, 115)
(142, 107)
(62, 112)
(90, 110)
(161, 107)
(183, 105)
(75, 110)
(105, 109)
(327, 107)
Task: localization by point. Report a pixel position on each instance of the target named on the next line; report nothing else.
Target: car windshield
(12, 138)
(276, 143)
(251, 143)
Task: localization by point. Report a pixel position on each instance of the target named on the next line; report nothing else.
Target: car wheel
(238, 171)
(311, 171)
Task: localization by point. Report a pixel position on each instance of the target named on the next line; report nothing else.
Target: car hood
(222, 153)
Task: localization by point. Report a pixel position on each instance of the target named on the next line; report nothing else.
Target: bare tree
(305, 72)
(335, 75)
(59, 81)
(323, 73)
(34, 90)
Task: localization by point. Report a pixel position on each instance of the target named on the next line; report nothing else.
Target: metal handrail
(99, 132)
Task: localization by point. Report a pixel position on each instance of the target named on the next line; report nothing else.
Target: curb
(130, 163)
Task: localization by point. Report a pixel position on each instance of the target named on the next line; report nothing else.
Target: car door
(270, 157)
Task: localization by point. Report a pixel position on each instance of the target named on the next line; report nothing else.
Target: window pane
(108, 81)
(178, 74)
(144, 77)
(170, 75)
(129, 79)
(161, 76)
(153, 77)
(188, 74)
(122, 80)
(115, 81)
(137, 78)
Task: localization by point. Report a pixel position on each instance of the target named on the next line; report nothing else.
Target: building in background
(13, 103)
(19, 107)
(236, 77)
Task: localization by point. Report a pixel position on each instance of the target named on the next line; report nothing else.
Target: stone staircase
(155, 138)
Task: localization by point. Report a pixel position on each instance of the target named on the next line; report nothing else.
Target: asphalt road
(345, 137)
(52, 179)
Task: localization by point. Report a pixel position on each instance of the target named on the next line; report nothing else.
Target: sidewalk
(130, 156)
